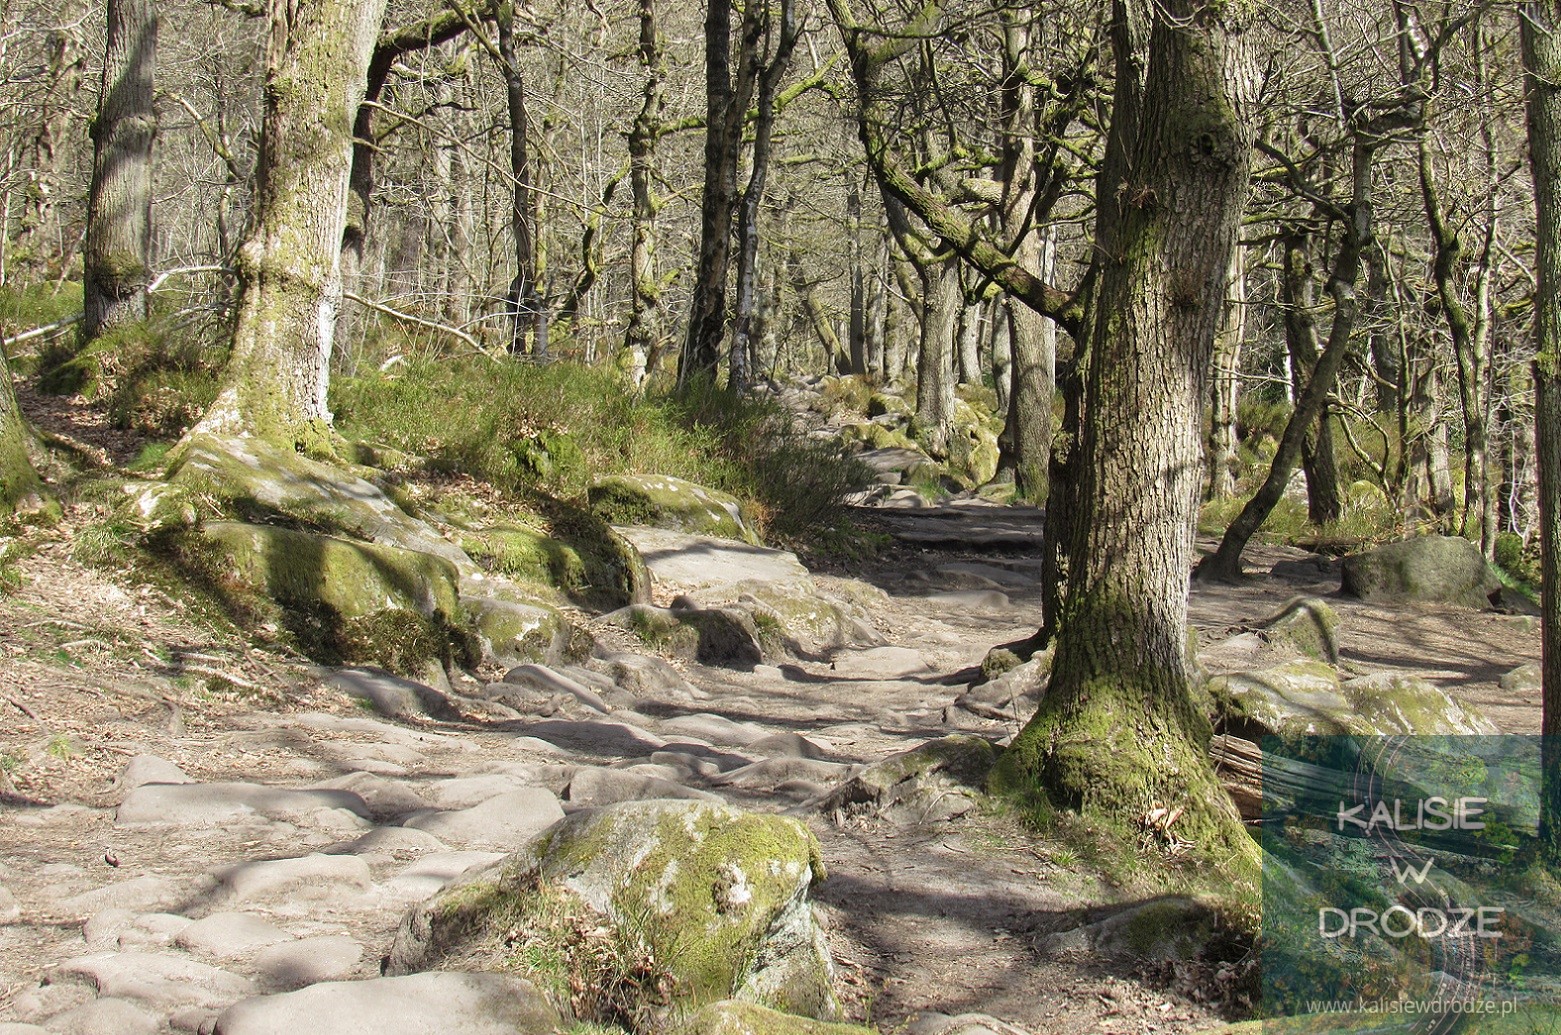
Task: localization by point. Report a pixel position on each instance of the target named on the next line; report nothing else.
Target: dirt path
(305, 830)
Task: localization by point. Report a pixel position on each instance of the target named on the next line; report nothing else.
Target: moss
(998, 660)
(875, 436)
(1309, 626)
(667, 502)
(730, 1017)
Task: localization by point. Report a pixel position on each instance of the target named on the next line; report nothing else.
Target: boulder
(1162, 930)
(934, 782)
(585, 562)
(513, 632)
(1307, 627)
(616, 910)
(662, 501)
(1305, 697)
(1429, 569)
(714, 636)
(1524, 677)
(1390, 703)
(391, 695)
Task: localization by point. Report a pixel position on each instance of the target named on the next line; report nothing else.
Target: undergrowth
(551, 429)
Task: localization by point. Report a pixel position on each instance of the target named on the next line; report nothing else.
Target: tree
(116, 259)
(19, 482)
(1118, 731)
(1540, 34)
(289, 269)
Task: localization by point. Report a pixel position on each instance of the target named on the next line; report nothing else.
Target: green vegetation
(550, 430)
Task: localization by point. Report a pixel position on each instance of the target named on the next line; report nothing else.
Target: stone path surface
(247, 873)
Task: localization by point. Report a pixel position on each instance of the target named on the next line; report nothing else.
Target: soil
(97, 668)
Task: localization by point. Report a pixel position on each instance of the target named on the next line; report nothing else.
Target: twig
(23, 708)
(380, 307)
(44, 331)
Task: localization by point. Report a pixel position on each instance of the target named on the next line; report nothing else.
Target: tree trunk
(528, 335)
(1118, 732)
(116, 261)
(1540, 29)
(289, 270)
(941, 301)
(969, 339)
(1225, 386)
(742, 358)
(1225, 563)
(1032, 341)
(643, 337)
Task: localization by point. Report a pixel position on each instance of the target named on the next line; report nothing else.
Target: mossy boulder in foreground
(636, 908)
(1429, 569)
(731, 1017)
(662, 501)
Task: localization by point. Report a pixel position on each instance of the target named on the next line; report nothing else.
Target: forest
(797, 516)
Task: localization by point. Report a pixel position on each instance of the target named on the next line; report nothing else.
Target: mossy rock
(598, 570)
(252, 480)
(1392, 703)
(804, 613)
(518, 632)
(1162, 930)
(1297, 697)
(1427, 569)
(343, 601)
(732, 1017)
(714, 636)
(973, 454)
(870, 435)
(1308, 626)
(931, 783)
(708, 903)
(883, 404)
(662, 501)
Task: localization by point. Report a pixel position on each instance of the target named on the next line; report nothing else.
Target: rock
(512, 632)
(392, 842)
(714, 636)
(1013, 695)
(545, 680)
(1305, 626)
(1305, 697)
(644, 676)
(385, 796)
(308, 961)
(1431, 569)
(104, 1016)
(312, 877)
(462, 792)
(359, 601)
(392, 695)
(929, 1023)
(10, 909)
(157, 980)
(774, 773)
(144, 769)
(718, 898)
(661, 501)
(706, 566)
(593, 786)
(138, 893)
(785, 745)
(151, 931)
(428, 875)
(598, 737)
(448, 1003)
(230, 935)
(732, 1017)
(582, 561)
(1525, 677)
(717, 729)
(204, 804)
(934, 782)
(1390, 703)
(1162, 930)
(503, 823)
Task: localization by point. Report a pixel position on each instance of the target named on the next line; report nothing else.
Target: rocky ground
(188, 823)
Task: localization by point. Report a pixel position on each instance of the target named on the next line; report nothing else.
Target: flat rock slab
(597, 737)
(502, 823)
(391, 842)
(386, 795)
(138, 893)
(158, 980)
(419, 1004)
(105, 1017)
(608, 786)
(879, 663)
(306, 877)
(717, 729)
(208, 803)
(230, 935)
(308, 961)
(143, 769)
(428, 875)
(390, 694)
(692, 563)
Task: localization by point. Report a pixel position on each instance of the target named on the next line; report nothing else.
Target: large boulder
(932, 783)
(586, 563)
(715, 635)
(1306, 698)
(1431, 569)
(662, 501)
(621, 910)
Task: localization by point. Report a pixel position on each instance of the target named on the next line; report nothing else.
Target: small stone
(10, 909)
(448, 1003)
(230, 935)
(145, 769)
(308, 961)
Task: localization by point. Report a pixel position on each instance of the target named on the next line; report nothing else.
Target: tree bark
(1540, 33)
(528, 330)
(941, 304)
(1118, 732)
(289, 269)
(643, 337)
(1225, 386)
(116, 260)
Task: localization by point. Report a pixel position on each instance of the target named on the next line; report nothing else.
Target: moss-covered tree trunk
(1118, 733)
(116, 257)
(1540, 30)
(941, 302)
(289, 270)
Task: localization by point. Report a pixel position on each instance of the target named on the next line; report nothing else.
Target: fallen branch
(44, 331)
(380, 307)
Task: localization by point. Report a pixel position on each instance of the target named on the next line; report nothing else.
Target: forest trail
(309, 825)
